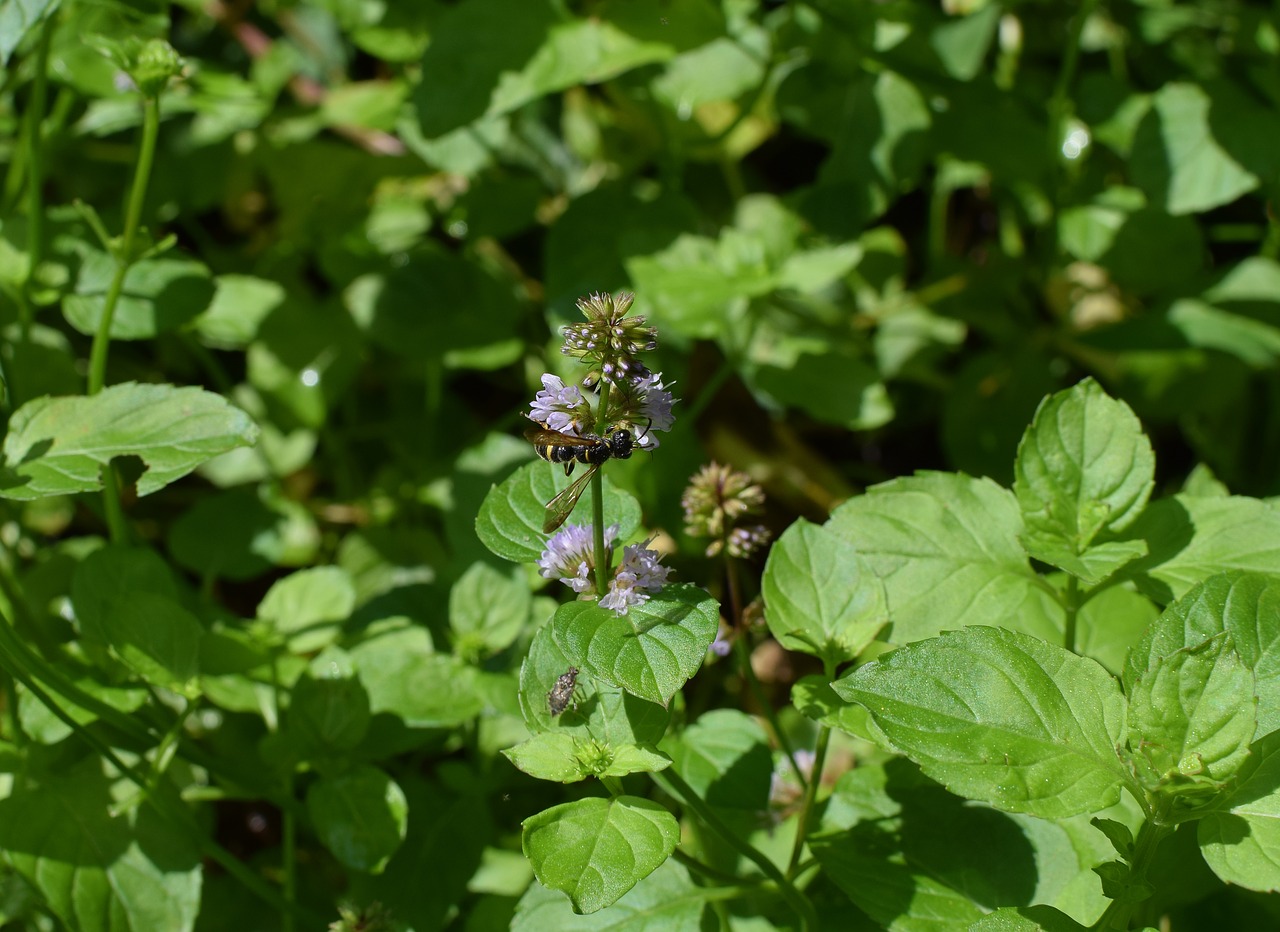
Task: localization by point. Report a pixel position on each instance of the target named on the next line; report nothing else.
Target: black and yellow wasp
(589, 449)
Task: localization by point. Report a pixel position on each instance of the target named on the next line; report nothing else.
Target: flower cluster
(716, 497)
(637, 399)
(570, 557)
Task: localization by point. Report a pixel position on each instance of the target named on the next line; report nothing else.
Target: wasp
(589, 449)
(562, 693)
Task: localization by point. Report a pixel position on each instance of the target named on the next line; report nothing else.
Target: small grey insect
(562, 693)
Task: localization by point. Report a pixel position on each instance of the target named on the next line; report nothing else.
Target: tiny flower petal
(570, 555)
(639, 574)
(558, 406)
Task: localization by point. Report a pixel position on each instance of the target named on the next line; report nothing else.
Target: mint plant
(306, 307)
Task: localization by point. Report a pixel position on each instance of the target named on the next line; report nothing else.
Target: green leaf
(405, 678)
(1084, 469)
(107, 580)
(725, 757)
(57, 446)
(1192, 716)
(947, 549)
(17, 18)
(595, 850)
(1026, 919)
(667, 899)
(1002, 717)
(241, 533)
(42, 726)
(820, 596)
(329, 712)
(814, 698)
(599, 711)
(362, 816)
(159, 295)
(1190, 539)
(157, 638)
(487, 609)
(308, 607)
(97, 871)
(240, 304)
(511, 518)
(1240, 838)
(651, 651)
(564, 758)
(1244, 605)
(1110, 623)
(1202, 146)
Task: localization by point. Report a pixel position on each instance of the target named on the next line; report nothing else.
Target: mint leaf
(1240, 839)
(599, 710)
(725, 757)
(1084, 468)
(158, 639)
(510, 519)
(361, 816)
(159, 295)
(57, 446)
(1190, 539)
(564, 758)
(651, 651)
(487, 609)
(1191, 717)
(820, 596)
(1026, 919)
(947, 549)
(309, 606)
(1002, 717)
(666, 899)
(1244, 605)
(595, 850)
(406, 678)
(814, 698)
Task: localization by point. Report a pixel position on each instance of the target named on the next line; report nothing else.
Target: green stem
(1150, 835)
(35, 168)
(289, 855)
(743, 656)
(613, 785)
(810, 796)
(124, 253)
(675, 786)
(714, 874)
(597, 503)
(1072, 607)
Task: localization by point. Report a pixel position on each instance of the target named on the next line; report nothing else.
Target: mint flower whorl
(609, 340)
(639, 574)
(716, 497)
(642, 405)
(570, 555)
(560, 407)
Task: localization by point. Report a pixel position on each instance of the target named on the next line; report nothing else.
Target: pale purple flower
(723, 643)
(639, 574)
(570, 555)
(558, 406)
(643, 404)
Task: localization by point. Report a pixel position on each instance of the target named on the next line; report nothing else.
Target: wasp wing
(560, 507)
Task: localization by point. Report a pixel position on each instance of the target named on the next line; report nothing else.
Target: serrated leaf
(362, 816)
(595, 850)
(651, 651)
(1190, 539)
(1084, 468)
(725, 757)
(510, 519)
(667, 899)
(947, 549)
(487, 609)
(820, 596)
(564, 758)
(1192, 714)
(1039, 918)
(58, 446)
(95, 870)
(600, 710)
(308, 607)
(1001, 717)
(1244, 605)
(1240, 839)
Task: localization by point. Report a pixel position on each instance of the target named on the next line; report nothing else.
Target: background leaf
(361, 815)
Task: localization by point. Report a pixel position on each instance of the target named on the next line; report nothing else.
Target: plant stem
(124, 252)
(675, 786)
(613, 785)
(810, 796)
(743, 656)
(1072, 607)
(35, 173)
(1144, 848)
(597, 503)
(289, 855)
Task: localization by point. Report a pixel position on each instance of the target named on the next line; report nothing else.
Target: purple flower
(639, 574)
(644, 405)
(560, 407)
(570, 555)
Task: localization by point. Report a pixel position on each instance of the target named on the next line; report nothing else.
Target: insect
(562, 693)
(556, 447)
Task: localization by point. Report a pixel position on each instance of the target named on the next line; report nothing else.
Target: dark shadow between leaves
(1167, 528)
